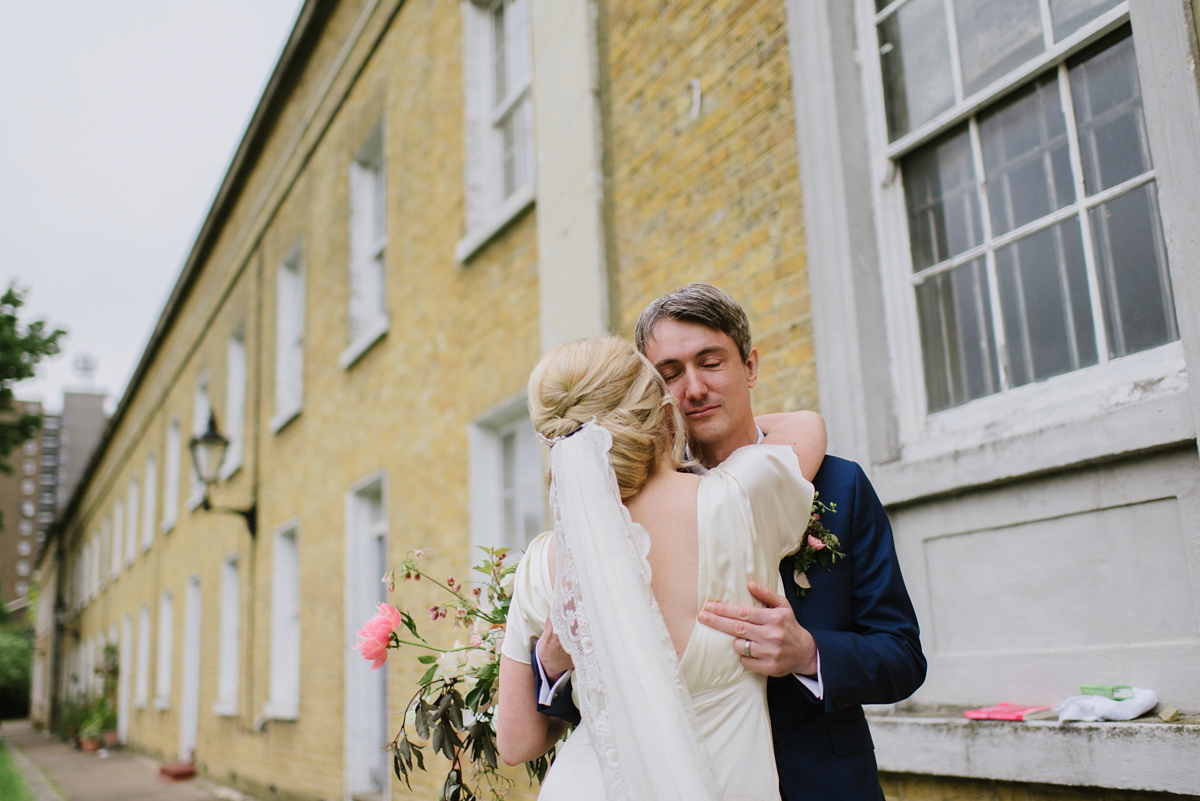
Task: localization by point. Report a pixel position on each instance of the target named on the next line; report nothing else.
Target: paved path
(55, 771)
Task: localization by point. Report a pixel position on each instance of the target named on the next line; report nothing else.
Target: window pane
(1132, 264)
(1045, 305)
(1108, 113)
(915, 55)
(957, 343)
(1070, 15)
(1025, 157)
(499, 56)
(995, 38)
(943, 200)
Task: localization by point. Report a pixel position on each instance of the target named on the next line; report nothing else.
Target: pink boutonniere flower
(819, 545)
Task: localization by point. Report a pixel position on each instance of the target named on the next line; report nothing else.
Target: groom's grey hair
(697, 303)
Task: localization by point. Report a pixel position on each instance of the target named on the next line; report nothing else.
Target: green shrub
(16, 666)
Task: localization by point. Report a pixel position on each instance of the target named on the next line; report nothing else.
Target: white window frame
(367, 318)
(172, 452)
(290, 301)
(485, 439)
(131, 521)
(166, 647)
(283, 687)
(488, 211)
(114, 547)
(149, 499)
(228, 643)
(201, 409)
(141, 691)
(235, 402)
(863, 304)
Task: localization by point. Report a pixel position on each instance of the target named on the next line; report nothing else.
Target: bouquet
(452, 711)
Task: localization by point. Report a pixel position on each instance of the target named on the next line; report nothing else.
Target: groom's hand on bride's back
(778, 644)
(555, 661)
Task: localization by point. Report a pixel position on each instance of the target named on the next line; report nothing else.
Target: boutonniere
(819, 545)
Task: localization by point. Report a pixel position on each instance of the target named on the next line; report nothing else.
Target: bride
(668, 710)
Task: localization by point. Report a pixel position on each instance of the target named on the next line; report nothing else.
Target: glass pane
(943, 200)
(995, 38)
(914, 52)
(499, 54)
(508, 144)
(1135, 289)
(516, 32)
(957, 344)
(1108, 113)
(1044, 303)
(1070, 15)
(1025, 157)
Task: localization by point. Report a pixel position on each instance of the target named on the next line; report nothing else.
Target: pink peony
(376, 635)
(476, 641)
(815, 543)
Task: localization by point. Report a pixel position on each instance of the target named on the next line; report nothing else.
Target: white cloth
(747, 510)
(1095, 707)
(815, 684)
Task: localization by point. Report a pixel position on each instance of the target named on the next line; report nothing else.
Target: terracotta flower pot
(87, 744)
(110, 739)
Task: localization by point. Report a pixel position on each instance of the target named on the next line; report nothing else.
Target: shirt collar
(700, 469)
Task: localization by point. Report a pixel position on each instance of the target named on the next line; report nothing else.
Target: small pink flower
(815, 543)
(419, 552)
(476, 641)
(376, 635)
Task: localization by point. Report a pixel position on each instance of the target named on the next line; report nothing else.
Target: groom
(852, 637)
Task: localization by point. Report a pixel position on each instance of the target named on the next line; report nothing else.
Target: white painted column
(572, 258)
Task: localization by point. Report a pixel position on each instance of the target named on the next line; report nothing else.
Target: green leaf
(427, 659)
(428, 677)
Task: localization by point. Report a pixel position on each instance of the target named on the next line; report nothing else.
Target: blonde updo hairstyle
(605, 379)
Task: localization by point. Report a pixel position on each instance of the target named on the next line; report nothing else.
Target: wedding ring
(746, 650)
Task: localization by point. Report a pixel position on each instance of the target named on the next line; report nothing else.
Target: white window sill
(505, 215)
(1065, 421)
(286, 711)
(162, 704)
(1139, 755)
(365, 341)
(196, 498)
(229, 470)
(167, 526)
(139, 703)
(146, 546)
(282, 418)
(228, 710)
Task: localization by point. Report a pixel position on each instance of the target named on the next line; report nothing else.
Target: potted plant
(89, 735)
(107, 716)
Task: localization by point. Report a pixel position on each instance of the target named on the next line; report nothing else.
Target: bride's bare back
(666, 508)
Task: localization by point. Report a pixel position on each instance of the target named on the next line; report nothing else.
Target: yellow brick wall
(462, 339)
(715, 198)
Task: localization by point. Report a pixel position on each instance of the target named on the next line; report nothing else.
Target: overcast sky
(118, 119)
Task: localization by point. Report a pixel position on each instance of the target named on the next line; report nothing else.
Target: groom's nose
(694, 387)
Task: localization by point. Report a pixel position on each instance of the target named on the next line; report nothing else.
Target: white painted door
(366, 722)
(189, 716)
(123, 678)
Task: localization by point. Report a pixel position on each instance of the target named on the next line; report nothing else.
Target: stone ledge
(1138, 755)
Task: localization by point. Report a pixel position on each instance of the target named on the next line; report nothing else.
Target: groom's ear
(752, 368)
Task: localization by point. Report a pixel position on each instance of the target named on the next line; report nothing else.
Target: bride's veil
(632, 696)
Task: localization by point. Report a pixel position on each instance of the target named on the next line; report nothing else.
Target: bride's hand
(555, 661)
(778, 644)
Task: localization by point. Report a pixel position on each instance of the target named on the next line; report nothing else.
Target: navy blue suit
(866, 632)
(860, 615)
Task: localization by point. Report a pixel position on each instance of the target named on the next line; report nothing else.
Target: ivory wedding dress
(713, 738)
